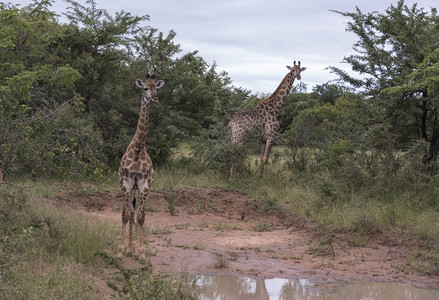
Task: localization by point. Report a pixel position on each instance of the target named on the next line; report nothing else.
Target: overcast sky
(253, 40)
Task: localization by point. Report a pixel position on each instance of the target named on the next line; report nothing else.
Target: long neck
(142, 128)
(279, 96)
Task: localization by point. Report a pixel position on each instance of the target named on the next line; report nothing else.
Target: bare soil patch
(216, 231)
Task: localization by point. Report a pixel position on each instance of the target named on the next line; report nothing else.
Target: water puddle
(236, 288)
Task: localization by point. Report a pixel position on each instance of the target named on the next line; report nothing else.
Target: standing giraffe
(135, 172)
(263, 117)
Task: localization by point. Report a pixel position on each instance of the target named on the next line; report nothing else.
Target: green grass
(333, 199)
(60, 280)
(226, 226)
(48, 246)
(64, 232)
(322, 247)
(261, 227)
(220, 260)
(160, 230)
(51, 251)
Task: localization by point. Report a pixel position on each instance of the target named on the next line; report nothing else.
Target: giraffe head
(150, 87)
(295, 70)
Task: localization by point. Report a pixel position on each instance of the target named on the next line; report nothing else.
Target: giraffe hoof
(120, 251)
(141, 254)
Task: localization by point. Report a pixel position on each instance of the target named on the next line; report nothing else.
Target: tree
(34, 86)
(101, 47)
(422, 87)
(328, 92)
(391, 46)
(68, 99)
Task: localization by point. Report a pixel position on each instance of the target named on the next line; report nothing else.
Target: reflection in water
(240, 288)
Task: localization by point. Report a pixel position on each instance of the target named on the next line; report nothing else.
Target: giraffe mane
(276, 91)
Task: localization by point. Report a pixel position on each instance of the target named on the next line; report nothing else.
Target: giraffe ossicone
(263, 117)
(135, 172)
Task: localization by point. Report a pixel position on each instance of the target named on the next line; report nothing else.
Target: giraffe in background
(263, 117)
(135, 172)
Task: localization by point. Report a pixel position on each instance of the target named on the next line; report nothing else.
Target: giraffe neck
(139, 138)
(279, 96)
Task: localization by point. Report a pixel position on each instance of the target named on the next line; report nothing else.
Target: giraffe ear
(289, 68)
(139, 83)
(303, 69)
(159, 84)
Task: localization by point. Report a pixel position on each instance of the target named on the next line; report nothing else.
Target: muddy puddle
(237, 288)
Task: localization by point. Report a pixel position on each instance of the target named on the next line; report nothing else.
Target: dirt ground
(216, 231)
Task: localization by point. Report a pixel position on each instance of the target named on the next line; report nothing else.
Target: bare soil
(216, 231)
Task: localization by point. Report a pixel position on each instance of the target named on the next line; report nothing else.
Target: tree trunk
(1, 171)
(433, 150)
(434, 147)
(390, 159)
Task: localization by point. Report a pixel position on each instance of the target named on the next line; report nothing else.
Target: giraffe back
(242, 123)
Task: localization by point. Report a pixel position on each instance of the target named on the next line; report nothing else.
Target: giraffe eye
(145, 89)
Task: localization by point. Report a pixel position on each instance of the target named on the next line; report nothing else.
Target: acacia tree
(390, 46)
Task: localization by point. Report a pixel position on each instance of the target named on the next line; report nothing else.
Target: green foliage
(26, 59)
(425, 262)
(323, 247)
(396, 56)
(34, 136)
(219, 154)
(148, 285)
(68, 94)
(390, 44)
(261, 227)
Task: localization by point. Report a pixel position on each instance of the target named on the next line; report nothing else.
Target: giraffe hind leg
(131, 220)
(127, 217)
(140, 217)
(262, 157)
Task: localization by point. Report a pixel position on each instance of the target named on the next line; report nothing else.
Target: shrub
(147, 285)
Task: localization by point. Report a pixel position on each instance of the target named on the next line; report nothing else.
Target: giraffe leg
(127, 186)
(130, 223)
(140, 216)
(265, 155)
(262, 158)
(125, 218)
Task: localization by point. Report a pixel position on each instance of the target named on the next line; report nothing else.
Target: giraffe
(263, 117)
(135, 171)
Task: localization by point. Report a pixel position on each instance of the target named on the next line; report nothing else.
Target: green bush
(147, 285)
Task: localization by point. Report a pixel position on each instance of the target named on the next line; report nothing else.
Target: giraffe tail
(133, 200)
(133, 203)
